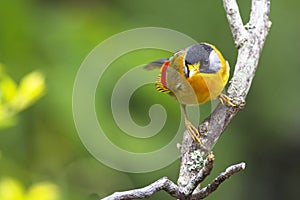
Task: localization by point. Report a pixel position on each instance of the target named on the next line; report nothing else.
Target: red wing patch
(164, 74)
(161, 83)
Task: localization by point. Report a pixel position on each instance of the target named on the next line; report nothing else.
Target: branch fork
(182, 193)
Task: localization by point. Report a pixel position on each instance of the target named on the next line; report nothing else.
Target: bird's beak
(194, 69)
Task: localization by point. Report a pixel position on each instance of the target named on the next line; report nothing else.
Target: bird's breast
(197, 89)
(207, 86)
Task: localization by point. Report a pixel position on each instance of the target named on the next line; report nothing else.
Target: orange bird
(194, 75)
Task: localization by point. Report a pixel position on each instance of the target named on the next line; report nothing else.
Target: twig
(204, 192)
(161, 184)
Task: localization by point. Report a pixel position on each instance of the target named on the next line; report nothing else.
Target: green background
(56, 36)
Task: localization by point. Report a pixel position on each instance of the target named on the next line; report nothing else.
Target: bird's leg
(226, 99)
(192, 130)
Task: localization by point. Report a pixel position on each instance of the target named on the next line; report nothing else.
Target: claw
(226, 99)
(193, 132)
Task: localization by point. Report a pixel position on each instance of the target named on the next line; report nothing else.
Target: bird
(194, 75)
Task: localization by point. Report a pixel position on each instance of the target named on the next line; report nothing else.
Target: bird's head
(202, 58)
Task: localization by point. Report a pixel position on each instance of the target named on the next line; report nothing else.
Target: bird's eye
(205, 63)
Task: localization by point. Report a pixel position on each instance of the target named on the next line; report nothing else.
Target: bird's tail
(156, 64)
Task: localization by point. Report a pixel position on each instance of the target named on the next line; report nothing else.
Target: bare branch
(219, 180)
(182, 193)
(161, 184)
(235, 21)
(259, 19)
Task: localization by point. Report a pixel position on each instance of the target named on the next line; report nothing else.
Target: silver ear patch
(215, 63)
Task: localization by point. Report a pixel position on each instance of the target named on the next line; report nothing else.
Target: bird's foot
(226, 99)
(193, 131)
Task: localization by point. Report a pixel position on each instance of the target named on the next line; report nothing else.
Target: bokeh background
(42, 153)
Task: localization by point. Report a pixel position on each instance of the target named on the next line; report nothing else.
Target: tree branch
(249, 41)
(204, 192)
(185, 192)
(235, 22)
(161, 184)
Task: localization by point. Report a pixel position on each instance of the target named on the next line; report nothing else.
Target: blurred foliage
(55, 37)
(12, 189)
(14, 99)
